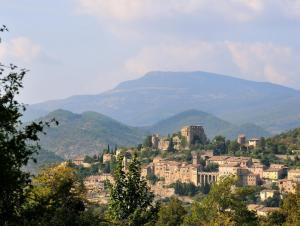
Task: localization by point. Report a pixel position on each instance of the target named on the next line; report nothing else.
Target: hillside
(159, 95)
(290, 139)
(86, 133)
(43, 159)
(213, 125)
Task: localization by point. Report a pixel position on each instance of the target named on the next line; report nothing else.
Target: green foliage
(233, 147)
(222, 206)
(185, 188)
(286, 141)
(211, 167)
(273, 201)
(131, 202)
(18, 142)
(55, 198)
(291, 208)
(43, 158)
(147, 142)
(89, 159)
(87, 133)
(171, 214)
(152, 178)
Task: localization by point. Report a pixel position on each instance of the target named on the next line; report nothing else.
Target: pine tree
(131, 202)
(171, 214)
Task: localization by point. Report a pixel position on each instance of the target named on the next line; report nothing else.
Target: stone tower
(155, 141)
(194, 133)
(241, 139)
(196, 158)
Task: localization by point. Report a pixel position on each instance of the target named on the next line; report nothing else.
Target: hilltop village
(182, 165)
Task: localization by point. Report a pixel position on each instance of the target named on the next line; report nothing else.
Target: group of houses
(248, 171)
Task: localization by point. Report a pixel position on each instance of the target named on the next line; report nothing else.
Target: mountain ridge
(158, 95)
(86, 133)
(212, 125)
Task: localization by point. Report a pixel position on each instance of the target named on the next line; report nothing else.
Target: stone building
(95, 188)
(219, 159)
(286, 186)
(160, 190)
(266, 193)
(107, 157)
(272, 174)
(127, 158)
(241, 139)
(196, 158)
(294, 175)
(78, 160)
(241, 161)
(193, 134)
(253, 143)
(164, 144)
(244, 176)
(155, 141)
(207, 178)
(257, 169)
(171, 171)
(224, 159)
(177, 143)
(261, 210)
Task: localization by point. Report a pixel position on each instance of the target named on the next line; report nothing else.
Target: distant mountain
(159, 95)
(212, 125)
(86, 133)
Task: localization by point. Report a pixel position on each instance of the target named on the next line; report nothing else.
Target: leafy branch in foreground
(18, 142)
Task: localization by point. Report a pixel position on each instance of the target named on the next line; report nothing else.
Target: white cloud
(130, 10)
(234, 10)
(20, 48)
(255, 61)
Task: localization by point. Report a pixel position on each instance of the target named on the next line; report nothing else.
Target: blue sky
(89, 46)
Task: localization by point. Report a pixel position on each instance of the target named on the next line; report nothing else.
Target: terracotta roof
(294, 171)
(218, 158)
(272, 170)
(79, 158)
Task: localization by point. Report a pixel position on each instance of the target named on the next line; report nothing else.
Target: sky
(76, 47)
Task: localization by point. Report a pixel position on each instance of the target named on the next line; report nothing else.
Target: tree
(233, 147)
(171, 214)
(18, 142)
(148, 142)
(89, 159)
(219, 144)
(131, 202)
(290, 208)
(222, 206)
(55, 198)
(185, 188)
(211, 167)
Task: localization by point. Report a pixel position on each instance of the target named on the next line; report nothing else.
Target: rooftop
(219, 158)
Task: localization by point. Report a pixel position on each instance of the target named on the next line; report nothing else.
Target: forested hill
(86, 133)
(213, 125)
(290, 139)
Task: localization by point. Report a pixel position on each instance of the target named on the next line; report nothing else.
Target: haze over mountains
(213, 125)
(86, 133)
(91, 132)
(159, 95)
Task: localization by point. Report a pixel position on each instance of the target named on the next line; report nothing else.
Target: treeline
(189, 189)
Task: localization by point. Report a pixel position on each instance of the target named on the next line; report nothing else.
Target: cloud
(255, 61)
(133, 10)
(20, 49)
